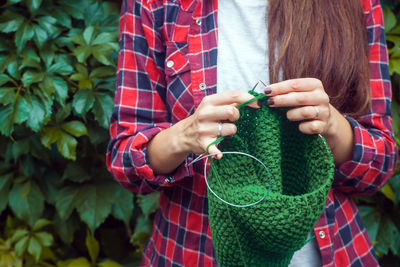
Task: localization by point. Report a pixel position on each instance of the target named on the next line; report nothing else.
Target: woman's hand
(309, 100)
(205, 125)
(309, 104)
(169, 148)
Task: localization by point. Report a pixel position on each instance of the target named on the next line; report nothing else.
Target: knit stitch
(301, 168)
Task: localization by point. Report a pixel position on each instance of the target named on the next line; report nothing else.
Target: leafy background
(58, 204)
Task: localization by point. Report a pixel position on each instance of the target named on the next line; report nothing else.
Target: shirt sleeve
(374, 153)
(139, 111)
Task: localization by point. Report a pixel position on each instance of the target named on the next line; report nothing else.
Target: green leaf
(143, 230)
(21, 245)
(12, 68)
(104, 38)
(102, 72)
(109, 264)
(45, 238)
(40, 35)
(23, 34)
(22, 109)
(31, 207)
(66, 144)
(390, 19)
(68, 198)
(25, 190)
(395, 183)
(102, 109)
(34, 248)
(63, 113)
(75, 128)
(148, 203)
(37, 114)
(34, 4)
(103, 53)
(48, 23)
(66, 229)
(6, 119)
(5, 183)
(7, 95)
(75, 173)
(19, 234)
(79, 262)
(122, 208)
(30, 77)
(83, 101)
(4, 78)
(39, 224)
(388, 192)
(92, 246)
(10, 21)
(96, 201)
(61, 90)
(61, 68)
(371, 219)
(88, 34)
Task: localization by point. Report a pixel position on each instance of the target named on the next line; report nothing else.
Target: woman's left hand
(309, 102)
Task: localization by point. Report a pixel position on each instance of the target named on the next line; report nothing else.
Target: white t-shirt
(242, 62)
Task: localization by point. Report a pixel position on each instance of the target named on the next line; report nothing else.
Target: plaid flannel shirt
(167, 64)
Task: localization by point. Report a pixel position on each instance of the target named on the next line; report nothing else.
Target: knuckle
(314, 127)
(305, 113)
(295, 85)
(301, 99)
(206, 100)
(235, 94)
(230, 112)
(202, 115)
(325, 98)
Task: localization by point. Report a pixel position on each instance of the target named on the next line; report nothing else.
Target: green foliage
(59, 206)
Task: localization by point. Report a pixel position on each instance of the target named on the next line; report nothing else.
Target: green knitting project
(301, 168)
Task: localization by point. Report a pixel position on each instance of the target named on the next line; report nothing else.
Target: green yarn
(302, 169)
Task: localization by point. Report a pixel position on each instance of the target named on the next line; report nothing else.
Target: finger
(218, 113)
(211, 130)
(230, 97)
(294, 85)
(293, 99)
(213, 150)
(312, 127)
(306, 113)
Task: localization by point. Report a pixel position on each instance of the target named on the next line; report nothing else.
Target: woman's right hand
(202, 128)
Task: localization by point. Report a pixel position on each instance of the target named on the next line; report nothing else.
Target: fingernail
(270, 102)
(267, 90)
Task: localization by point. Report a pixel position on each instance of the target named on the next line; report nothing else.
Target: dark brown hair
(322, 39)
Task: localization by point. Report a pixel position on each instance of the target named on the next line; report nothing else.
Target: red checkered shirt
(167, 64)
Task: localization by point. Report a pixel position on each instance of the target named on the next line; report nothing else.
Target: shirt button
(169, 179)
(202, 86)
(170, 63)
(198, 22)
(321, 234)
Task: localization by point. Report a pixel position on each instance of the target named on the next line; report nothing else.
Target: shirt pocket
(176, 60)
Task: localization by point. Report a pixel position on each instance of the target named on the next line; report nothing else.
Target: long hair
(322, 39)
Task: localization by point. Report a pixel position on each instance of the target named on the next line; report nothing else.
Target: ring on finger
(316, 112)
(219, 129)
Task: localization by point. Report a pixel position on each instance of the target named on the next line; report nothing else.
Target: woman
(325, 60)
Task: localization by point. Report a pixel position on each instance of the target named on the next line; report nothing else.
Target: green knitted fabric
(301, 168)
